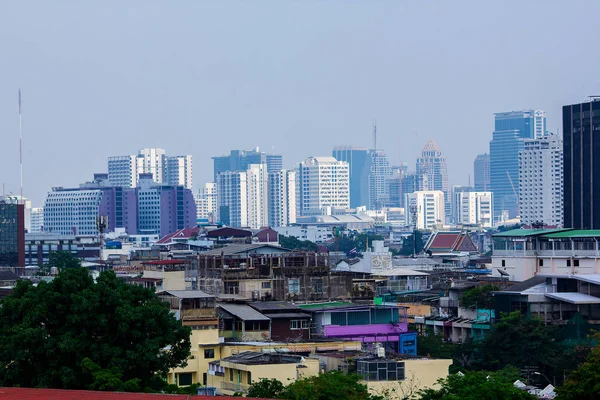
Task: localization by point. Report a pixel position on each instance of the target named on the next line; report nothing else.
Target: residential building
(37, 220)
(323, 182)
(541, 181)
(163, 209)
(393, 183)
(313, 233)
(288, 322)
(282, 198)
(474, 208)
(426, 209)
(379, 171)
(410, 184)
(257, 195)
(432, 164)
(454, 193)
(232, 204)
(179, 171)
(481, 173)
(358, 159)
(581, 165)
(123, 171)
(12, 234)
(242, 322)
(206, 203)
(240, 160)
(510, 131)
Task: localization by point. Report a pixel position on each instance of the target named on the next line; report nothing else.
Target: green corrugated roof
(574, 233)
(323, 305)
(529, 232)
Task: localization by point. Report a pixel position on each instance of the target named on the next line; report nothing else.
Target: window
(504, 263)
(568, 263)
(541, 263)
(317, 285)
(209, 353)
(266, 285)
(576, 263)
(231, 374)
(299, 324)
(294, 286)
(249, 378)
(184, 379)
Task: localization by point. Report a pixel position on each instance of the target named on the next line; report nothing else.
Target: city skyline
(88, 95)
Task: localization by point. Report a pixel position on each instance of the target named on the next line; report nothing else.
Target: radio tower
(21, 144)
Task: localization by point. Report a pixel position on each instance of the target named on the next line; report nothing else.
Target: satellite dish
(503, 273)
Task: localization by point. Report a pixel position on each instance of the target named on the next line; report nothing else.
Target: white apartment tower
(37, 220)
(122, 171)
(282, 198)
(475, 208)
(179, 171)
(206, 202)
(257, 195)
(152, 161)
(425, 209)
(541, 181)
(324, 182)
(72, 212)
(232, 205)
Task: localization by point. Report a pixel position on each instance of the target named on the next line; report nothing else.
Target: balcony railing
(236, 387)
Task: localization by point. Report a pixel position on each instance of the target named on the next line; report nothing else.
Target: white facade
(282, 198)
(206, 202)
(122, 171)
(474, 208)
(313, 233)
(428, 207)
(148, 207)
(323, 182)
(232, 205)
(152, 161)
(37, 220)
(72, 212)
(179, 171)
(541, 181)
(257, 196)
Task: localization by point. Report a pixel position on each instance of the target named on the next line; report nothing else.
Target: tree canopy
(408, 244)
(584, 382)
(479, 297)
(75, 333)
(293, 243)
(61, 260)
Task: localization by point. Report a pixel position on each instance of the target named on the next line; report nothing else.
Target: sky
(199, 77)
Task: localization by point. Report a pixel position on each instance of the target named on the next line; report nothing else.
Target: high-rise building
(232, 205)
(379, 171)
(37, 220)
(410, 184)
(581, 149)
(425, 209)
(394, 189)
(481, 173)
(282, 198)
(163, 209)
(124, 171)
(455, 198)
(474, 208)
(324, 182)
(432, 166)
(257, 197)
(206, 203)
(541, 181)
(358, 159)
(179, 171)
(240, 160)
(510, 131)
(12, 234)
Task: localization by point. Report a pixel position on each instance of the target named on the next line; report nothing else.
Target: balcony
(446, 302)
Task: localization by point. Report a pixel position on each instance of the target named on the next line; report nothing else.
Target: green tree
(61, 260)
(434, 346)
(266, 389)
(584, 382)
(475, 385)
(408, 244)
(479, 296)
(293, 243)
(518, 341)
(76, 333)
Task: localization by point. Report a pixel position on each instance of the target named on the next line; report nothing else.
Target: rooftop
(243, 312)
(274, 306)
(574, 297)
(401, 272)
(574, 233)
(234, 249)
(187, 294)
(255, 358)
(528, 232)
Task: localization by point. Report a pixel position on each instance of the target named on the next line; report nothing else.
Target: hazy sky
(102, 78)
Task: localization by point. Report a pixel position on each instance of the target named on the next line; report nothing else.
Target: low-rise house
(242, 322)
(399, 281)
(288, 322)
(235, 374)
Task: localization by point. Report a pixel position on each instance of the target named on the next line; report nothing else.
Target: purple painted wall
(177, 209)
(128, 209)
(366, 333)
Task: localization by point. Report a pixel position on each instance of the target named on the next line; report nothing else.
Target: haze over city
(201, 78)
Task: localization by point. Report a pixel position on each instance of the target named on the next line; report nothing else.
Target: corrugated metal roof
(187, 294)
(288, 316)
(234, 249)
(244, 312)
(401, 272)
(574, 234)
(574, 298)
(274, 305)
(528, 232)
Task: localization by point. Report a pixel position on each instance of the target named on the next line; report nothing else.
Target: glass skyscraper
(240, 160)
(510, 131)
(358, 159)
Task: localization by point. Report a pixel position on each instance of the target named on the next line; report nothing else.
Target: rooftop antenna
(21, 144)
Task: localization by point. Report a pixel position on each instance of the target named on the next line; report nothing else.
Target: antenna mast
(21, 144)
